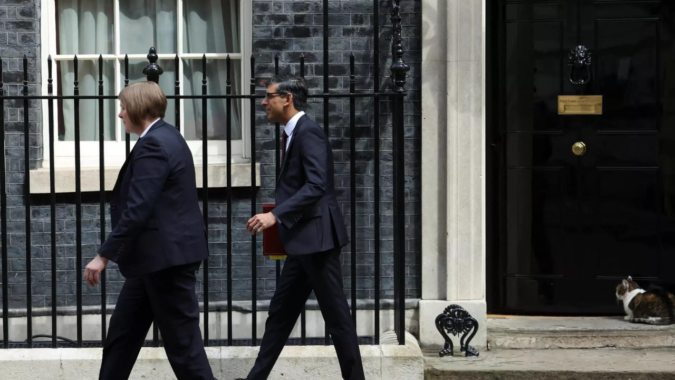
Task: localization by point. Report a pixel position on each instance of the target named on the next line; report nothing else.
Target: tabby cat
(654, 306)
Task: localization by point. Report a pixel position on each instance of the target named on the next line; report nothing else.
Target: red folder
(272, 246)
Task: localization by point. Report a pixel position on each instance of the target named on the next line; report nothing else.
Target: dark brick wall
(289, 28)
(293, 28)
(19, 36)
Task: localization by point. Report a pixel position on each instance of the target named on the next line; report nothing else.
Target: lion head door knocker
(455, 320)
(580, 65)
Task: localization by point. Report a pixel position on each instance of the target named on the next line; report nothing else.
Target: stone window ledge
(90, 181)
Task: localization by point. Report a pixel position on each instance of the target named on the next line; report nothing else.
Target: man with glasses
(312, 231)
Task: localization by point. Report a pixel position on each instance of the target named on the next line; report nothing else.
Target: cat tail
(667, 286)
(665, 296)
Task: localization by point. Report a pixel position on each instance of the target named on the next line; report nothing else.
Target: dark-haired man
(312, 231)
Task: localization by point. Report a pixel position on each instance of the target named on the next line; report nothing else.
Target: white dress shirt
(147, 129)
(290, 126)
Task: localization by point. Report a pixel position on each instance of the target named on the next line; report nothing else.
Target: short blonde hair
(143, 101)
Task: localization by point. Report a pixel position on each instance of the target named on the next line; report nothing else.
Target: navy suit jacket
(306, 205)
(154, 209)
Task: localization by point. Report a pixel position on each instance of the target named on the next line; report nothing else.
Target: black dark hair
(294, 85)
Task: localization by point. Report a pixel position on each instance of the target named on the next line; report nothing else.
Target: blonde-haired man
(158, 240)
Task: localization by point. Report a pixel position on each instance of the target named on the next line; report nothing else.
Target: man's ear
(289, 98)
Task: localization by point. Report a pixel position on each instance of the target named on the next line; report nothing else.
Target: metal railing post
(399, 69)
(153, 70)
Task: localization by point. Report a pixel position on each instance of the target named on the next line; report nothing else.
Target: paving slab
(600, 364)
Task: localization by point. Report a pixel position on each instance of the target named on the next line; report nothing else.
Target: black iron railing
(153, 71)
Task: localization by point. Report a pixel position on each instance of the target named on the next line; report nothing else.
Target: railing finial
(399, 68)
(152, 70)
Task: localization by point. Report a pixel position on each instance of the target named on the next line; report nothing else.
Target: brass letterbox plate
(580, 105)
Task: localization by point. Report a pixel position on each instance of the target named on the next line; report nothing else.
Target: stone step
(600, 364)
(575, 333)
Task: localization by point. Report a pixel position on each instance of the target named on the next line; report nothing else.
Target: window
(189, 28)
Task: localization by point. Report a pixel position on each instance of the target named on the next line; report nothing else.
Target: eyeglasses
(268, 95)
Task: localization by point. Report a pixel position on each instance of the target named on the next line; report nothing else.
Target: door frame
(493, 152)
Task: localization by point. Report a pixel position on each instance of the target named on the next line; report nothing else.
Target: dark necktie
(284, 140)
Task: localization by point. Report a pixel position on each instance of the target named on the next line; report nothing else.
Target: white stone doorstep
(390, 362)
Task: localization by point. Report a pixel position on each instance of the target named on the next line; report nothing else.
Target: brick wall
(295, 28)
(19, 36)
(289, 28)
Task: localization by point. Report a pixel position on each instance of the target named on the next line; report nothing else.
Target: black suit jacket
(154, 209)
(306, 206)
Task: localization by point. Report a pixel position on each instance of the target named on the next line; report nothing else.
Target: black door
(572, 224)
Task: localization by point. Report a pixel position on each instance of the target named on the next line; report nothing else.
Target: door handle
(579, 148)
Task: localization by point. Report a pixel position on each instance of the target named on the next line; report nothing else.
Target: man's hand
(260, 223)
(92, 272)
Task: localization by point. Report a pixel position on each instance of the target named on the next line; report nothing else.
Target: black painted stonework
(19, 36)
(290, 28)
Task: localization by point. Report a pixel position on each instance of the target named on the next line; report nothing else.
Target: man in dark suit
(158, 240)
(312, 231)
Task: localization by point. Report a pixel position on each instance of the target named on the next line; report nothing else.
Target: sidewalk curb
(385, 362)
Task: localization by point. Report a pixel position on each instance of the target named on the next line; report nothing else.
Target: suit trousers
(168, 298)
(322, 273)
